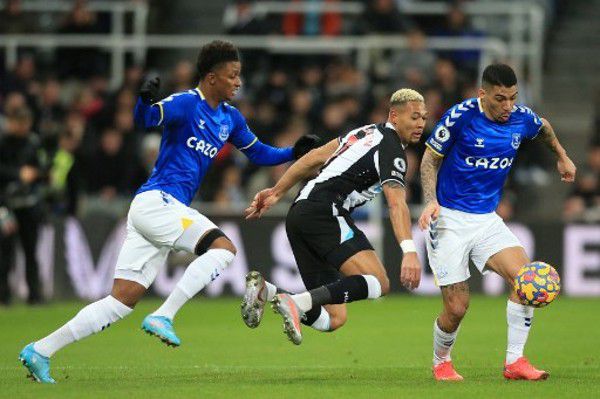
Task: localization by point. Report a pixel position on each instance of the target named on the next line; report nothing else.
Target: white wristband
(408, 246)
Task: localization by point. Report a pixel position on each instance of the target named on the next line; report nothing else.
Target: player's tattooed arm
(430, 165)
(566, 167)
(429, 169)
(548, 137)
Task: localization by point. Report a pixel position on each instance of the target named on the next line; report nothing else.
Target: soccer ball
(537, 284)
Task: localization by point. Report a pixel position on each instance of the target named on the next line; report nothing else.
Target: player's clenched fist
(431, 211)
(149, 90)
(567, 169)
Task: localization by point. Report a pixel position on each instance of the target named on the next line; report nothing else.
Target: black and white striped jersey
(365, 159)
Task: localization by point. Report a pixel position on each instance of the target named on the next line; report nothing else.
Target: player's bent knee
(457, 309)
(224, 243)
(214, 239)
(130, 303)
(127, 292)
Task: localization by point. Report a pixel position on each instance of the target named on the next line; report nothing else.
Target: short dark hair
(213, 54)
(499, 75)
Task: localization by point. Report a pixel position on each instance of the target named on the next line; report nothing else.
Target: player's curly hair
(499, 75)
(213, 54)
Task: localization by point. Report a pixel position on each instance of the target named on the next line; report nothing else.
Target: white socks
(176, 299)
(442, 344)
(348, 289)
(519, 318)
(198, 275)
(373, 285)
(99, 315)
(323, 323)
(303, 300)
(91, 319)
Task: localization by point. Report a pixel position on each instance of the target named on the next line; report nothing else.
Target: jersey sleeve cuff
(162, 113)
(537, 133)
(249, 145)
(434, 150)
(393, 180)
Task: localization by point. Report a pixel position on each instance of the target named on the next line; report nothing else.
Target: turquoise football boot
(161, 327)
(37, 365)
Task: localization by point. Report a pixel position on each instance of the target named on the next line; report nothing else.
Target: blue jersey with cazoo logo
(478, 154)
(193, 134)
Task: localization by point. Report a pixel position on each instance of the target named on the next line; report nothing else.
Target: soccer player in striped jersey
(336, 261)
(197, 123)
(463, 170)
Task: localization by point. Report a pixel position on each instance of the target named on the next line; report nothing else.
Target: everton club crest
(516, 140)
(224, 132)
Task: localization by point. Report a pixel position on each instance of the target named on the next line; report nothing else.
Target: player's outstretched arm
(300, 170)
(430, 165)
(566, 167)
(410, 270)
(266, 155)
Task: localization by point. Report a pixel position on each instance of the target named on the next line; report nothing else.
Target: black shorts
(321, 241)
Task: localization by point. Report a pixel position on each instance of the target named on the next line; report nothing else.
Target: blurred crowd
(65, 135)
(90, 145)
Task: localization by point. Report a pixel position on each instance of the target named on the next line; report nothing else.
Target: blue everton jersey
(193, 134)
(478, 154)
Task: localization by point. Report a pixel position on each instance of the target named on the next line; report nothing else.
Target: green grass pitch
(383, 351)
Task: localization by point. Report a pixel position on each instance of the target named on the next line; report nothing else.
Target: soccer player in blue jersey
(197, 124)
(467, 159)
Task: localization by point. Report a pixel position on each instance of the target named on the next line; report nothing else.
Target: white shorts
(156, 224)
(458, 236)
